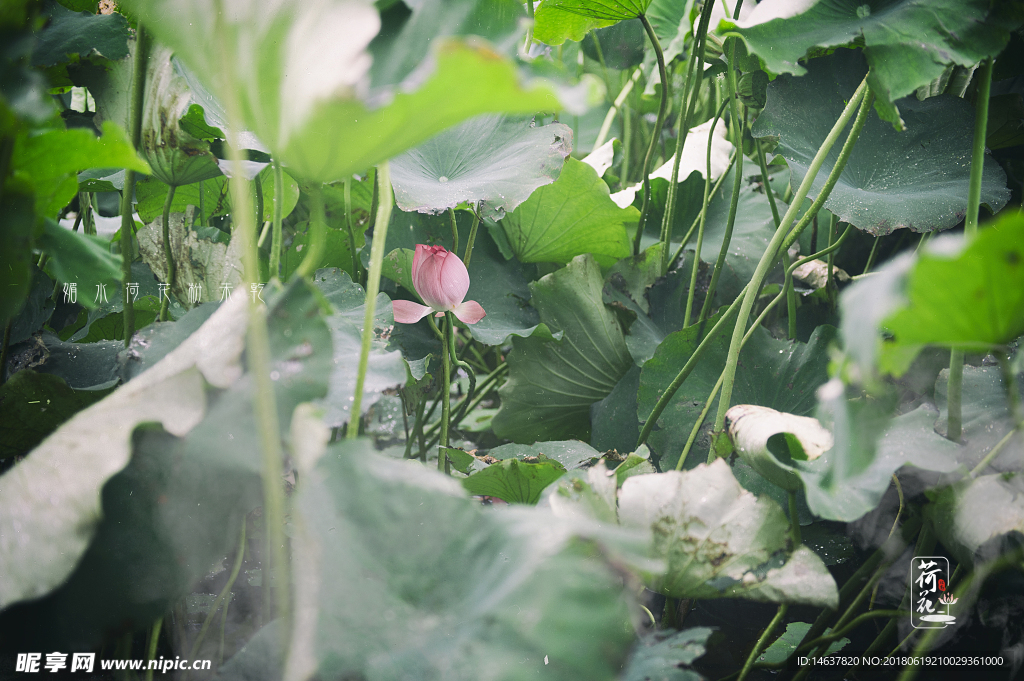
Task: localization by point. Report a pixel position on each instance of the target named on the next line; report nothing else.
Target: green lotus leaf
(974, 518)
(785, 645)
(720, 540)
(494, 160)
(553, 25)
(176, 157)
(622, 44)
(986, 416)
(915, 179)
(80, 34)
(451, 584)
(767, 439)
(514, 481)
(82, 260)
(907, 44)
(610, 10)
(574, 215)
(667, 655)
(552, 384)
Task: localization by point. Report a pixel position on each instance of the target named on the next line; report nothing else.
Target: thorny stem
(779, 616)
(616, 105)
(317, 233)
(737, 184)
(704, 209)
(954, 428)
(655, 134)
(768, 257)
(380, 233)
(277, 243)
(350, 229)
(258, 360)
(687, 102)
(472, 235)
(127, 193)
(168, 253)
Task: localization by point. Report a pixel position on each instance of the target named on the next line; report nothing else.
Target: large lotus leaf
(667, 655)
(208, 267)
(786, 645)
(80, 34)
(51, 500)
(16, 244)
(408, 29)
(671, 23)
(961, 294)
(613, 421)
(553, 25)
(176, 157)
(611, 10)
(574, 215)
(383, 370)
(38, 304)
(985, 414)
(50, 162)
(499, 285)
(552, 384)
(571, 454)
(720, 540)
(850, 479)
(780, 374)
(622, 44)
(907, 44)
(296, 69)
(495, 160)
(82, 260)
(398, 574)
(974, 518)
(514, 481)
(915, 179)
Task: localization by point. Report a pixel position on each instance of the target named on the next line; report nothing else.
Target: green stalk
(794, 520)
(139, 60)
(609, 118)
(655, 135)
(737, 184)
(703, 210)
(257, 185)
(455, 231)
(790, 291)
(380, 234)
(5, 350)
(830, 281)
(691, 291)
(168, 253)
(768, 257)
(277, 239)
(472, 234)
(154, 638)
(259, 361)
(351, 230)
(222, 595)
(670, 391)
(446, 392)
(779, 616)
(956, 357)
(687, 102)
(317, 232)
(871, 256)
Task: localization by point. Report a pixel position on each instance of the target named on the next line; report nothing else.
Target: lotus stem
(606, 125)
(168, 253)
(380, 234)
(655, 135)
(779, 616)
(351, 229)
(137, 95)
(317, 233)
(472, 235)
(768, 258)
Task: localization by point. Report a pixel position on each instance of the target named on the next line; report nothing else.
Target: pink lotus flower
(441, 280)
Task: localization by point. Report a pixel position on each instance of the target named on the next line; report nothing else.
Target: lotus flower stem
(954, 391)
(655, 134)
(446, 394)
(380, 234)
(472, 235)
(737, 181)
(703, 210)
(168, 252)
(257, 186)
(703, 222)
(606, 125)
(768, 258)
(137, 95)
(779, 616)
(154, 638)
(351, 230)
(276, 240)
(455, 230)
(687, 103)
(317, 233)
